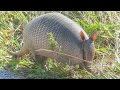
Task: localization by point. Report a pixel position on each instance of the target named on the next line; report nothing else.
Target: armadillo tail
(19, 53)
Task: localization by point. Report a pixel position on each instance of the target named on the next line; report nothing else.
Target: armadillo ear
(82, 35)
(93, 37)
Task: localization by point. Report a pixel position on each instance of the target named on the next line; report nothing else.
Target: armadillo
(76, 46)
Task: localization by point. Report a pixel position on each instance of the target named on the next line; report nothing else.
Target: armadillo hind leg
(41, 60)
(82, 66)
(24, 50)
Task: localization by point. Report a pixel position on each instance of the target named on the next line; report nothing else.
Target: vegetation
(106, 61)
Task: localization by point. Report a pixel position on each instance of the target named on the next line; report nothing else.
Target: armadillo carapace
(76, 46)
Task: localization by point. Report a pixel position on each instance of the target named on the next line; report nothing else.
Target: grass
(105, 65)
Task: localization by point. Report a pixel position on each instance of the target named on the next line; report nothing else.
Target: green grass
(107, 44)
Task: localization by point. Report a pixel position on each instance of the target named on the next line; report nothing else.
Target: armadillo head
(88, 47)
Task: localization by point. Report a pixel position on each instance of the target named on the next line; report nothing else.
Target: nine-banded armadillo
(74, 42)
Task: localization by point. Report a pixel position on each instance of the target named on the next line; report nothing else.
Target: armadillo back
(65, 32)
